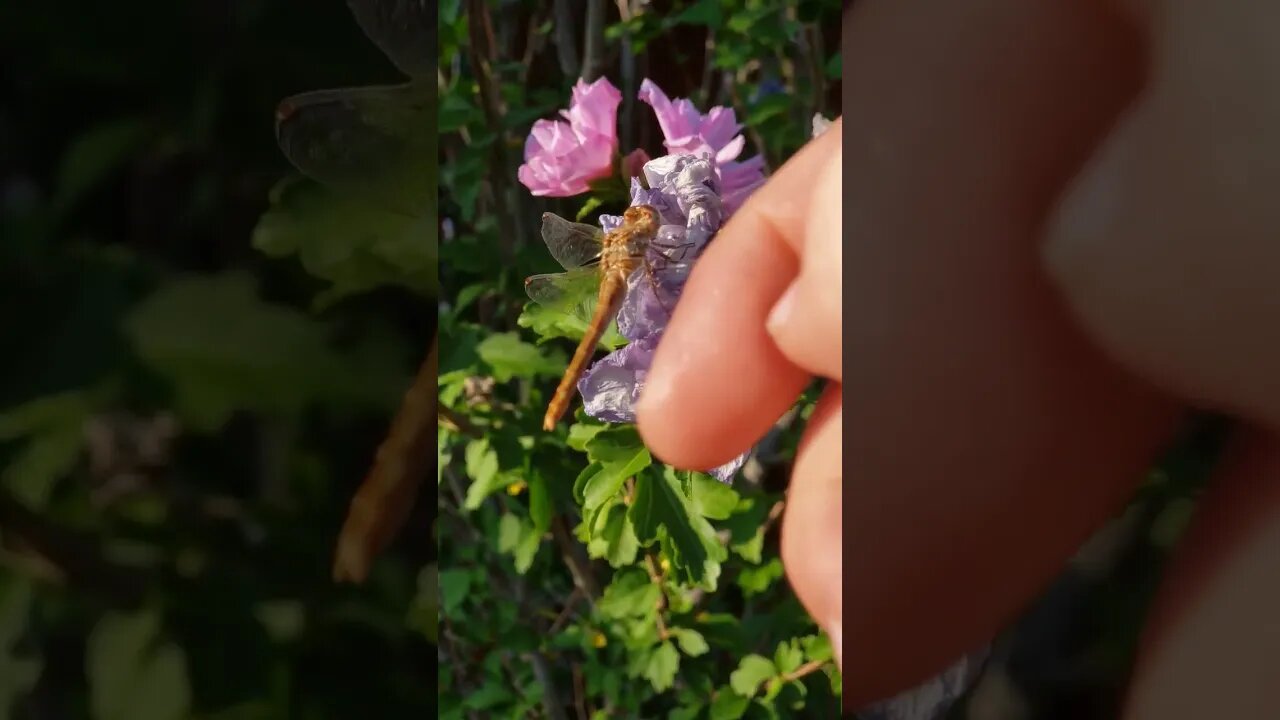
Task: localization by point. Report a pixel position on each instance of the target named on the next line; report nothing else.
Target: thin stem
(593, 42)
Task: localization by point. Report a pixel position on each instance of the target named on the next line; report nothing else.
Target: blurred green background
(190, 393)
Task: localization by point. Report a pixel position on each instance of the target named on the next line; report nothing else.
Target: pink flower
(562, 158)
(689, 132)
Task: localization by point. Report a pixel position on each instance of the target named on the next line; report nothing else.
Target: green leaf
(424, 613)
(510, 530)
(581, 433)
(691, 641)
(540, 509)
(133, 673)
(455, 585)
(614, 537)
(354, 246)
(788, 656)
(482, 468)
(752, 671)
(19, 671)
(728, 705)
(631, 594)
(620, 455)
(835, 67)
(703, 12)
(548, 323)
(817, 648)
(712, 498)
(245, 354)
(95, 154)
(510, 357)
(54, 428)
(756, 579)
(663, 664)
(695, 552)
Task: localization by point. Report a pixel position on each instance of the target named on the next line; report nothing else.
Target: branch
(593, 44)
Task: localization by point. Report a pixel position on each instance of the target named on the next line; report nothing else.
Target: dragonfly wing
(377, 143)
(572, 293)
(571, 244)
(403, 29)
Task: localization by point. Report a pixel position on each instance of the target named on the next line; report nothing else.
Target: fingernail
(782, 310)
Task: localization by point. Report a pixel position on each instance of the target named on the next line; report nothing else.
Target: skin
(1052, 258)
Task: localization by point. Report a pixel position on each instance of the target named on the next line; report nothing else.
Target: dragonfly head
(642, 217)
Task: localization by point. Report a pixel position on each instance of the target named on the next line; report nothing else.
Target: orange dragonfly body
(616, 254)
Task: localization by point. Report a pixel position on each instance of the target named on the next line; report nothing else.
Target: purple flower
(563, 157)
(686, 192)
(689, 132)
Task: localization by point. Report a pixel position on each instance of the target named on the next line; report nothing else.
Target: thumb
(1166, 248)
(806, 321)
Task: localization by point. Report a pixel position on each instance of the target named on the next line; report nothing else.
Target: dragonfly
(378, 144)
(598, 266)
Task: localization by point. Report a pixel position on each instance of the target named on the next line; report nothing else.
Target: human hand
(759, 317)
(990, 436)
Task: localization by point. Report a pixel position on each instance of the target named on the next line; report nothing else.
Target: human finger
(718, 381)
(987, 439)
(806, 320)
(1165, 247)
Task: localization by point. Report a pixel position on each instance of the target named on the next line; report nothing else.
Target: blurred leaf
(691, 641)
(53, 427)
(224, 350)
(752, 671)
(662, 666)
(728, 705)
(834, 67)
(424, 612)
(19, 671)
(134, 674)
(756, 579)
(788, 656)
(93, 155)
(354, 246)
(510, 357)
(712, 498)
(455, 585)
(702, 12)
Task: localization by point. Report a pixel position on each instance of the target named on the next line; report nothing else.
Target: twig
(656, 576)
(574, 596)
(579, 564)
(593, 42)
(566, 48)
(805, 669)
(457, 423)
(628, 62)
(579, 692)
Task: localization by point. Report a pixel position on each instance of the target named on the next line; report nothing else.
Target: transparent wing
(571, 244)
(405, 31)
(572, 293)
(374, 142)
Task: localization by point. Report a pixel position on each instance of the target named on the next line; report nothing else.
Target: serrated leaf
(752, 671)
(817, 648)
(695, 552)
(662, 666)
(614, 538)
(756, 579)
(788, 656)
